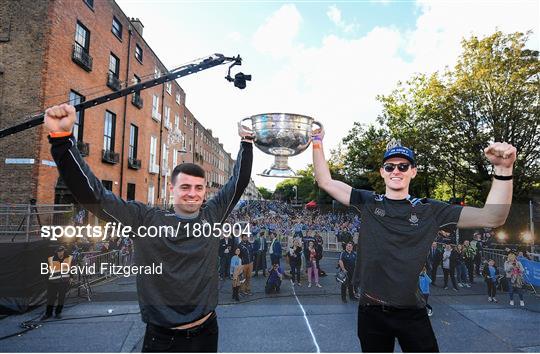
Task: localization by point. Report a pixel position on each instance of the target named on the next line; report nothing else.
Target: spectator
(275, 276)
(461, 268)
(260, 247)
(347, 261)
(246, 255)
(295, 260)
(449, 264)
(235, 273)
(225, 252)
(491, 273)
(514, 274)
(319, 245)
(344, 236)
(470, 254)
(433, 261)
(479, 246)
(275, 249)
(423, 282)
(312, 270)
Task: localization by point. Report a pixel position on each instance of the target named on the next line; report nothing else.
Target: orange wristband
(59, 134)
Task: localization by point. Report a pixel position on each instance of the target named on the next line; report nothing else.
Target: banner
(532, 271)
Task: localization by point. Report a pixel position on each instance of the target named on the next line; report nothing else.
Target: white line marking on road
(306, 319)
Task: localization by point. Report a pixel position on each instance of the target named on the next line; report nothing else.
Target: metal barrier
(22, 222)
(330, 242)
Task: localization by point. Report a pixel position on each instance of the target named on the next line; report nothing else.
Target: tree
(266, 194)
(492, 94)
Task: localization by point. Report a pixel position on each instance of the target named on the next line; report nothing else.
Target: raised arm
(499, 200)
(225, 200)
(338, 190)
(83, 184)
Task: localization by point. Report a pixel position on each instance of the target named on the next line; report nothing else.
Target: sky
(327, 60)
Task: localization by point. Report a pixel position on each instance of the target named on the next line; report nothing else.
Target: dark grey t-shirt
(395, 237)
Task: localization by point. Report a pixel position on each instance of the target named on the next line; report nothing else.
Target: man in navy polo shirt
(396, 233)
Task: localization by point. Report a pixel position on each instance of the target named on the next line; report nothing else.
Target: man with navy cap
(395, 237)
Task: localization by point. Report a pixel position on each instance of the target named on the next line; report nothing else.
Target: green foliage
(492, 94)
(266, 194)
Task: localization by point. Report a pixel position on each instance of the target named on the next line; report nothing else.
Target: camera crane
(239, 81)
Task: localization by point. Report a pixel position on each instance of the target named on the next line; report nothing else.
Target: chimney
(137, 24)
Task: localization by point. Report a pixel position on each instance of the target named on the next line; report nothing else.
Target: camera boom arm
(188, 69)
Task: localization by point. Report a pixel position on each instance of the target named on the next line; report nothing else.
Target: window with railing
(113, 80)
(136, 98)
(108, 131)
(81, 47)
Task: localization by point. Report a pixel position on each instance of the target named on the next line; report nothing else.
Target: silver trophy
(281, 135)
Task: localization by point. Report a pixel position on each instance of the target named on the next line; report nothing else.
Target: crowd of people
(271, 222)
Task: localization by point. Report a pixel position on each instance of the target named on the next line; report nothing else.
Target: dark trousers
(433, 271)
(274, 258)
(260, 263)
(295, 270)
(201, 339)
(426, 297)
(347, 286)
(224, 265)
(55, 290)
(491, 288)
(450, 272)
(478, 263)
(272, 288)
(469, 262)
(378, 328)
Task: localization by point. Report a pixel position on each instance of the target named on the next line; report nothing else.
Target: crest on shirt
(414, 219)
(379, 212)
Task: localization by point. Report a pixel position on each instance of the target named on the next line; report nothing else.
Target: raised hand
(60, 118)
(501, 154)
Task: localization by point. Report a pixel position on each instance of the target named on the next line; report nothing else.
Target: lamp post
(295, 194)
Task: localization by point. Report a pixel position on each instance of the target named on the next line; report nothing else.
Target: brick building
(73, 50)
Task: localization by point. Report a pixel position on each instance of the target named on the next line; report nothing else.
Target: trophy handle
(243, 127)
(319, 124)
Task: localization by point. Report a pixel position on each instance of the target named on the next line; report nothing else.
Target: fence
(330, 242)
(22, 222)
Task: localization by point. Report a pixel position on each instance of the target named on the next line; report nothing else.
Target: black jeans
(295, 270)
(491, 288)
(450, 272)
(201, 339)
(224, 265)
(433, 271)
(54, 290)
(378, 328)
(469, 262)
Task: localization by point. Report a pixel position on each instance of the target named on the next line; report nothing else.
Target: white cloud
(276, 36)
(334, 14)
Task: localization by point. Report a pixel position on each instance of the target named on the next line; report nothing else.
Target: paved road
(297, 320)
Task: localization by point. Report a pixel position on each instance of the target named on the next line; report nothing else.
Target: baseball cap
(400, 151)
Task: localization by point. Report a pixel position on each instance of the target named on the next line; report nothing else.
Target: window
(138, 53)
(168, 87)
(114, 65)
(75, 98)
(131, 191)
(133, 141)
(165, 162)
(157, 72)
(167, 117)
(178, 98)
(153, 147)
(191, 125)
(107, 184)
(151, 194)
(176, 121)
(185, 120)
(183, 142)
(90, 3)
(108, 131)
(155, 107)
(175, 158)
(116, 28)
(82, 36)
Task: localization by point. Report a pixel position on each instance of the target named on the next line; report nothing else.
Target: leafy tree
(266, 194)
